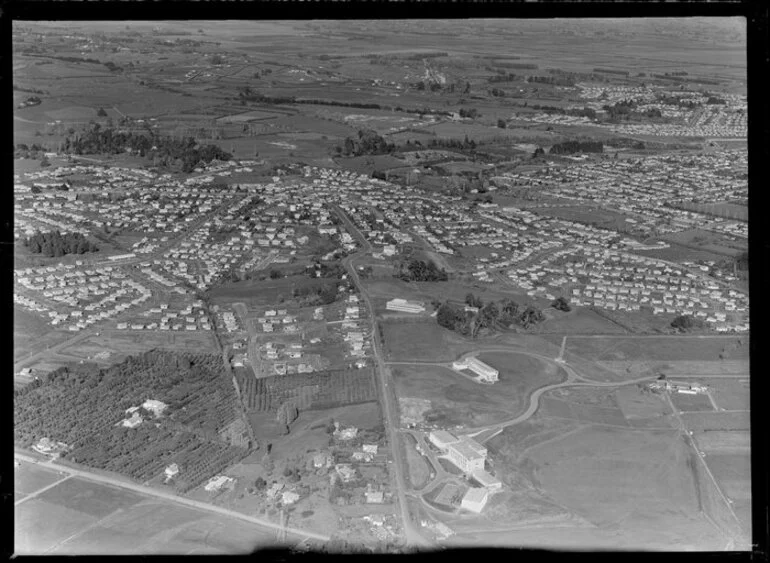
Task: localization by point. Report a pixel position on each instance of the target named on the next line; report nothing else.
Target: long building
(404, 306)
(485, 372)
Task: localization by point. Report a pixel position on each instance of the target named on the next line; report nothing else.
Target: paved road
(303, 534)
(390, 414)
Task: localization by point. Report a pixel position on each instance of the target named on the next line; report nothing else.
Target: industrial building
(404, 306)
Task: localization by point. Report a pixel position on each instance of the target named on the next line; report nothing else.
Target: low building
(404, 306)
(467, 454)
(289, 497)
(155, 407)
(487, 480)
(216, 483)
(172, 471)
(475, 499)
(441, 439)
(374, 497)
(484, 371)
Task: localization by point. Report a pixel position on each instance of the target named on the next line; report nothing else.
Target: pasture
(705, 421)
(79, 517)
(455, 400)
(626, 481)
(31, 477)
(730, 393)
(654, 348)
(691, 403)
(421, 341)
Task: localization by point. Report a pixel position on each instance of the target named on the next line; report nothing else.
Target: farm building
(484, 371)
(172, 471)
(216, 483)
(475, 499)
(404, 306)
(156, 407)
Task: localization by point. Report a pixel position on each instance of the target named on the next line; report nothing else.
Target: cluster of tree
(25, 151)
(553, 80)
(742, 261)
(571, 147)
(368, 142)
(18, 88)
(677, 101)
(491, 315)
(287, 413)
(55, 244)
(31, 101)
(496, 92)
(685, 323)
(501, 123)
(523, 66)
(694, 80)
(326, 270)
(501, 76)
(561, 304)
(113, 67)
(612, 71)
(713, 100)
(421, 270)
(165, 151)
(470, 113)
(465, 144)
(323, 294)
(575, 112)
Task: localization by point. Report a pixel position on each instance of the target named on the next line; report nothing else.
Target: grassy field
(29, 477)
(458, 401)
(82, 517)
(730, 393)
(624, 481)
(421, 341)
(691, 403)
(658, 349)
(703, 421)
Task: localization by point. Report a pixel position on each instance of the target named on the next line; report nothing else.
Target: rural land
(380, 286)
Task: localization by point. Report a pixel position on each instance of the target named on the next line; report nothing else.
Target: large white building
(404, 306)
(485, 372)
(475, 499)
(466, 453)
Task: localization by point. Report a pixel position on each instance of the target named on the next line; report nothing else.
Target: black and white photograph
(380, 285)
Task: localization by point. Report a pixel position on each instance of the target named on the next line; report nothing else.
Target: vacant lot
(420, 341)
(584, 413)
(458, 401)
(637, 404)
(418, 469)
(717, 441)
(731, 393)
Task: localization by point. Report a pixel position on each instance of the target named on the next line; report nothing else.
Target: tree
(45, 162)
(683, 323)
(501, 123)
(561, 304)
(260, 484)
(101, 113)
(275, 274)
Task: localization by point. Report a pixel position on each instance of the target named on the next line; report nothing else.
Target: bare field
(724, 441)
(418, 468)
(691, 403)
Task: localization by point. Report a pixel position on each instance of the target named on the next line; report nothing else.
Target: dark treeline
(570, 147)
(247, 95)
(420, 270)
(469, 321)
(166, 150)
(368, 142)
(55, 244)
(524, 66)
(554, 80)
(612, 71)
(576, 112)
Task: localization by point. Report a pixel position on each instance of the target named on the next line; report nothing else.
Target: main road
(389, 411)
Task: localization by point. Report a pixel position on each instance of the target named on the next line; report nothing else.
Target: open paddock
(420, 341)
(583, 413)
(626, 481)
(121, 343)
(685, 402)
(637, 404)
(731, 394)
(31, 477)
(738, 441)
(655, 348)
(705, 421)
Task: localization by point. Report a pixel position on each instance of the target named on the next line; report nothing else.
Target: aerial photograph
(380, 286)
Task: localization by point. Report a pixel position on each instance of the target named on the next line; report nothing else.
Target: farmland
(79, 517)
